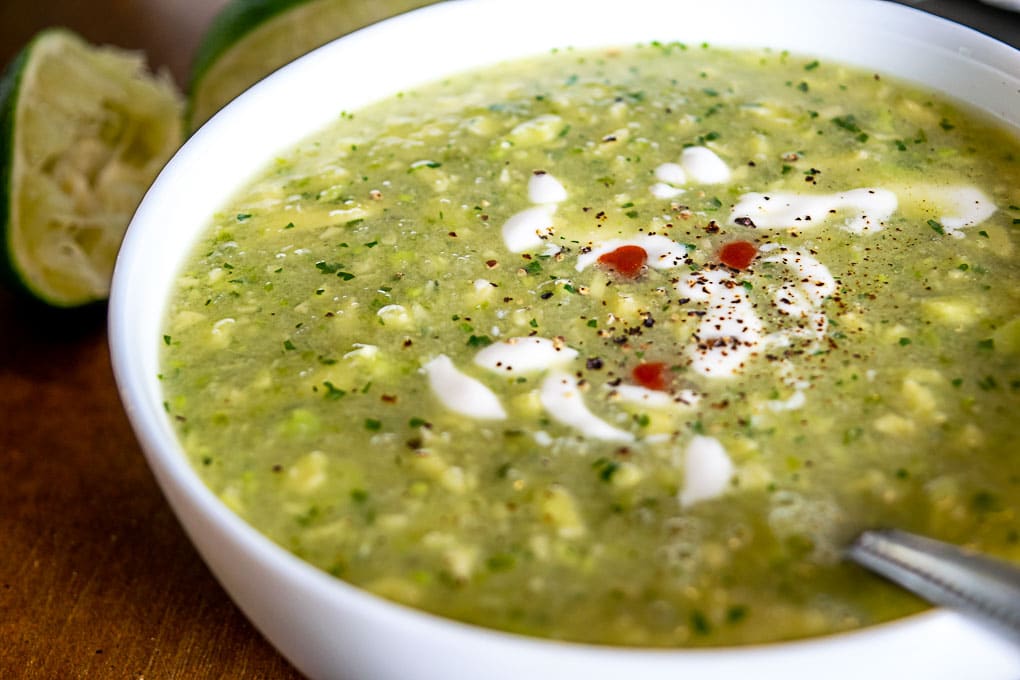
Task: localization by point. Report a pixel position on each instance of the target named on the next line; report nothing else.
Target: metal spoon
(944, 574)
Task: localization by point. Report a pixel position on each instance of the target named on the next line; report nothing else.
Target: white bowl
(330, 629)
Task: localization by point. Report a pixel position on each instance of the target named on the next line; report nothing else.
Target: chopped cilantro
(333, 392)
(988, 383)
(847, 122)
(606, 468)
(737, 612)
(699, 622)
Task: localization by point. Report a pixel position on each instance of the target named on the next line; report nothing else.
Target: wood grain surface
(97, 579)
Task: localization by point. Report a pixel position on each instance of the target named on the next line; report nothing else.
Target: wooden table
(97, 579)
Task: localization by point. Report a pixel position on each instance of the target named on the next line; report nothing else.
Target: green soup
(618, 347)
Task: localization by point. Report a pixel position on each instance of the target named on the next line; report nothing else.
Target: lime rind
(250, 39)
(230, 25)
(9, 85)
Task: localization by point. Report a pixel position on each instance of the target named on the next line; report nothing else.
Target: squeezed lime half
(83, 132)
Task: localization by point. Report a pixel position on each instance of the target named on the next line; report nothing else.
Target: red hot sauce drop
(738, 254)
(650, 375)
(627, 261)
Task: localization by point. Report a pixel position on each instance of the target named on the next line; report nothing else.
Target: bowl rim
(143, 261)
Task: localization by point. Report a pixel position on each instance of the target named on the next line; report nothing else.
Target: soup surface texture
(617, 347)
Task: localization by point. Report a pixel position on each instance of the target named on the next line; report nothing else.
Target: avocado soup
(617, 347)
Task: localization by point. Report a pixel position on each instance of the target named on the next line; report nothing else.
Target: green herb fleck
(936, 227)
(736, 613)
(328, 268)
(699, 622)
(988, 383)
(606, 468)
(479, 341)
(288, 345)
(241, 217)
(500, 562)
(847, 122)
(333, 392)
(984, 501)
(373, 425)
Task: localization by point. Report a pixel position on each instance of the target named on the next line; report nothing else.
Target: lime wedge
(249, 39)
(83, 132)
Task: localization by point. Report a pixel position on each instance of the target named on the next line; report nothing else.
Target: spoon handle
(944, 574)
